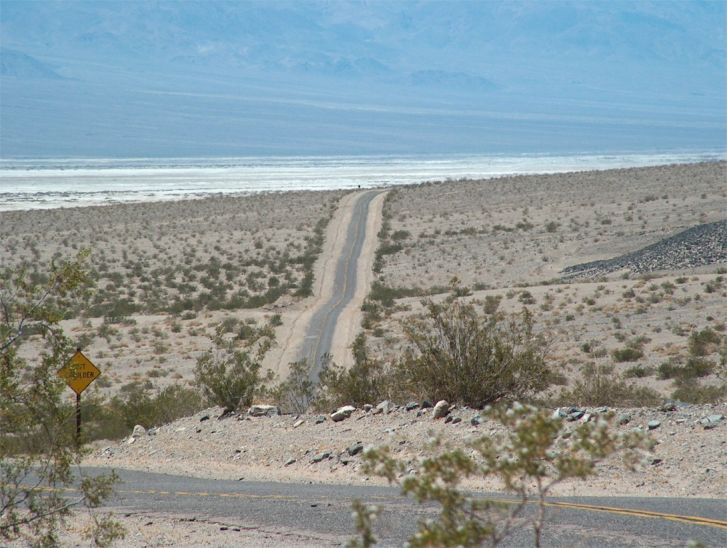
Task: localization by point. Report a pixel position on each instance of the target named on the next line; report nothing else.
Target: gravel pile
(699, 245)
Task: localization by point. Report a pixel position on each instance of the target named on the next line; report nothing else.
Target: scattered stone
(655, 461)
(263, 411)
(342, 413)
(456, 420)
(367, 407)
(320, 419)
(355, 449)
(601, 410)
(711, 421)
(139, 430)
(290, 461)
(476, 420)
(320, 457)
(668, 406)
(441, 409)
(426, 404)
(297, 423)
(131, 440)
(411, 406)
(624, 418)
(343, 459)
(575, 415)
(586, 417)
(385, 407)
(448, 419)
(653, 425)
(559, 414)
(204, 418)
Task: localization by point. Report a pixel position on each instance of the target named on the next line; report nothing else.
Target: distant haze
(179, 79)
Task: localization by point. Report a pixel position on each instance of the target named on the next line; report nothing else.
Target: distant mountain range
(165, 78)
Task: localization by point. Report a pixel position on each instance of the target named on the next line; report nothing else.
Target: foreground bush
(369, 380)
(230, 376)
(529, 459)
(296, 393)
(37, 443)
(457, 355)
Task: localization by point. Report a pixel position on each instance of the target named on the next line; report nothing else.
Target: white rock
(139, 430)
(441, 409)
(342, 413)
(263, 411)
(385, 407)
(297, 423)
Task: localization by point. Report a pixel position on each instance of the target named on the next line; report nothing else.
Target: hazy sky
(210, 78)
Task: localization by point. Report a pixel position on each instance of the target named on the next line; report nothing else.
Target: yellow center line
(697, 520)
(631, 512)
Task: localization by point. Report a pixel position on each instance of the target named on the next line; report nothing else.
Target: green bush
(692, 391)
(694, 368)
(638, 372)
(627, 354)
(600, 386)
(456, 355)
(296, 393)
(230, 376)
(704, 342)
(368, 381)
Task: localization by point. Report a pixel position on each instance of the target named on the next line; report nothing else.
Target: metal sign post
(78, 373)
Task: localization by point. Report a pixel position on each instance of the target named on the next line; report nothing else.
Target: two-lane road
(324, 511)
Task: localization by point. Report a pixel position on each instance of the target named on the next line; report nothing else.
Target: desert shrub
(38, 447)
(627, 354)
(551, 226)
(704, 342)
(296, 393)
(386, 295)
(369, 380)
(140, 404)
(692, 391)
(457, 355)
(230, 376)
(638, 372)
(492, 303)
(400, 235)
(692, 369)
(600, 386)
(526, 297)
(528, 459)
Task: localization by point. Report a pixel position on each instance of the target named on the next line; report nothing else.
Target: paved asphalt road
(323, 323)
(319, 511)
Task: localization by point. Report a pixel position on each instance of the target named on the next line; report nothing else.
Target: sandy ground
(510, 238)
(496, 232)
(150, 255)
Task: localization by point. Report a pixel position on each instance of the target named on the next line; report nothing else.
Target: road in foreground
(315, 512)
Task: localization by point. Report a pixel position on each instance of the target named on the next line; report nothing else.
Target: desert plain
(167, 275)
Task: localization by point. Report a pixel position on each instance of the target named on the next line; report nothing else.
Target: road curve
(321, 328)
(317, 512)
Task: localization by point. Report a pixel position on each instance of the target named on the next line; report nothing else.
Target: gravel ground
(689, 460)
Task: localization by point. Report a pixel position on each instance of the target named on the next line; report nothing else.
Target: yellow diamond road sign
(79, 372)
